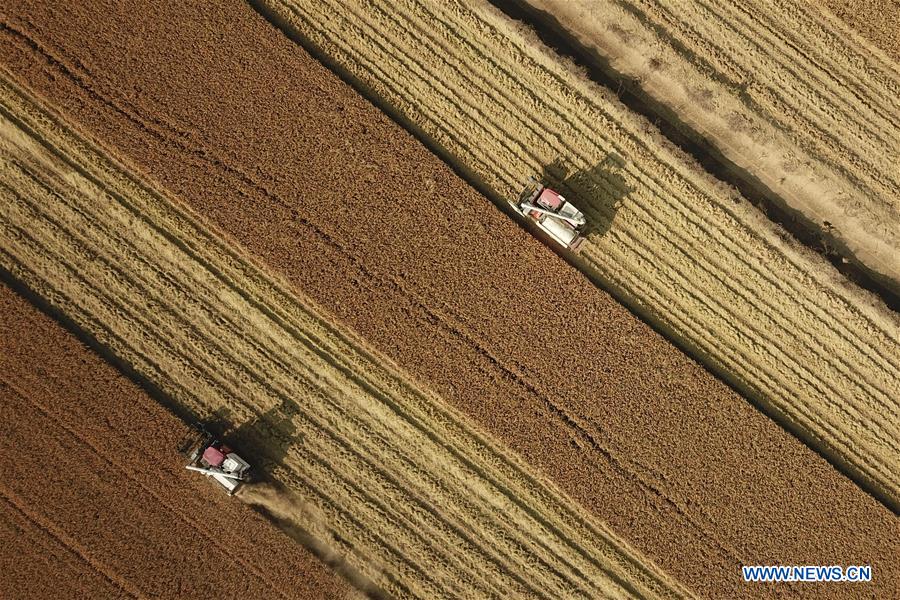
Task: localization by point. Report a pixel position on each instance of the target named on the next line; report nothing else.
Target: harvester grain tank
(552, 213)
(214, 459)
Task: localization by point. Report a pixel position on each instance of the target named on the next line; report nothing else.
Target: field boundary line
(137, 482)
(238, 264)
(297, 21)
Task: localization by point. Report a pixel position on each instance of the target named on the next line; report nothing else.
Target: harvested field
(799, 109)
(876, 20)
(686, 252)
(644, 439)
(94, 502)
(405, 492)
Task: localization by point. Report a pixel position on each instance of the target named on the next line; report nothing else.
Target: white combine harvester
(214, 459)
(552, 213)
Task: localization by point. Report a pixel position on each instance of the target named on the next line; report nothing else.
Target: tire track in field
(28, 535)
(617, 462)
(713, 340)
(199, 342)
(54, 531)
(748, 323)
(779, 335)
(69, 544)
(584, 560)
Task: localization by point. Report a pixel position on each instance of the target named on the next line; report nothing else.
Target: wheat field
(686, 252)
(400, 485)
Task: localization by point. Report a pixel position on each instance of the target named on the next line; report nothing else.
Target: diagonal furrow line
(28, 531)
(48, 528)
(123, 468)
(845, 374)
(613, 567)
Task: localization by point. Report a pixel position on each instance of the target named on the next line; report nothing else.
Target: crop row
(425, 506)
(683, 250)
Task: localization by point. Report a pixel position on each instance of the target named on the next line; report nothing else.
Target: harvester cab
(552, 213)
(214, 459)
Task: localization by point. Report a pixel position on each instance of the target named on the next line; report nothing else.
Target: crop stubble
(876, 20)
(415, 501)
(680, 248)
(786, 92)
(94, 501)
(310, 180)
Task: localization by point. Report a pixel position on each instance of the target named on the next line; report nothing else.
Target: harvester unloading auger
(552, 213)
(214, 459)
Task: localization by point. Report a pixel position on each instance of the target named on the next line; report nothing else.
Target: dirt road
(681, 249)
(282, 156)
(793, 104)
(94, 501)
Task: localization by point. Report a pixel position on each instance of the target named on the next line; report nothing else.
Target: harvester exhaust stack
(552, 213)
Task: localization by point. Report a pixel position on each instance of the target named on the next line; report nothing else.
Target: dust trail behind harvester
(303, 522)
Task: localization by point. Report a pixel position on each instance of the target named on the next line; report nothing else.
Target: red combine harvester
(214, 459)
(552, 213)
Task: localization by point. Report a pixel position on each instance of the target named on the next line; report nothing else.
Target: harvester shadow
(265, 440)
(268, 438)
(598, 191)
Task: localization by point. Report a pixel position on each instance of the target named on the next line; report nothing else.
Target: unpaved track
(94, 502)
(800, 107)
(276, 151)
(415, 500)
(683, 250)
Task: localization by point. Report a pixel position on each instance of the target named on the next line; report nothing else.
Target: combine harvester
(214, 459)
(552, 213)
